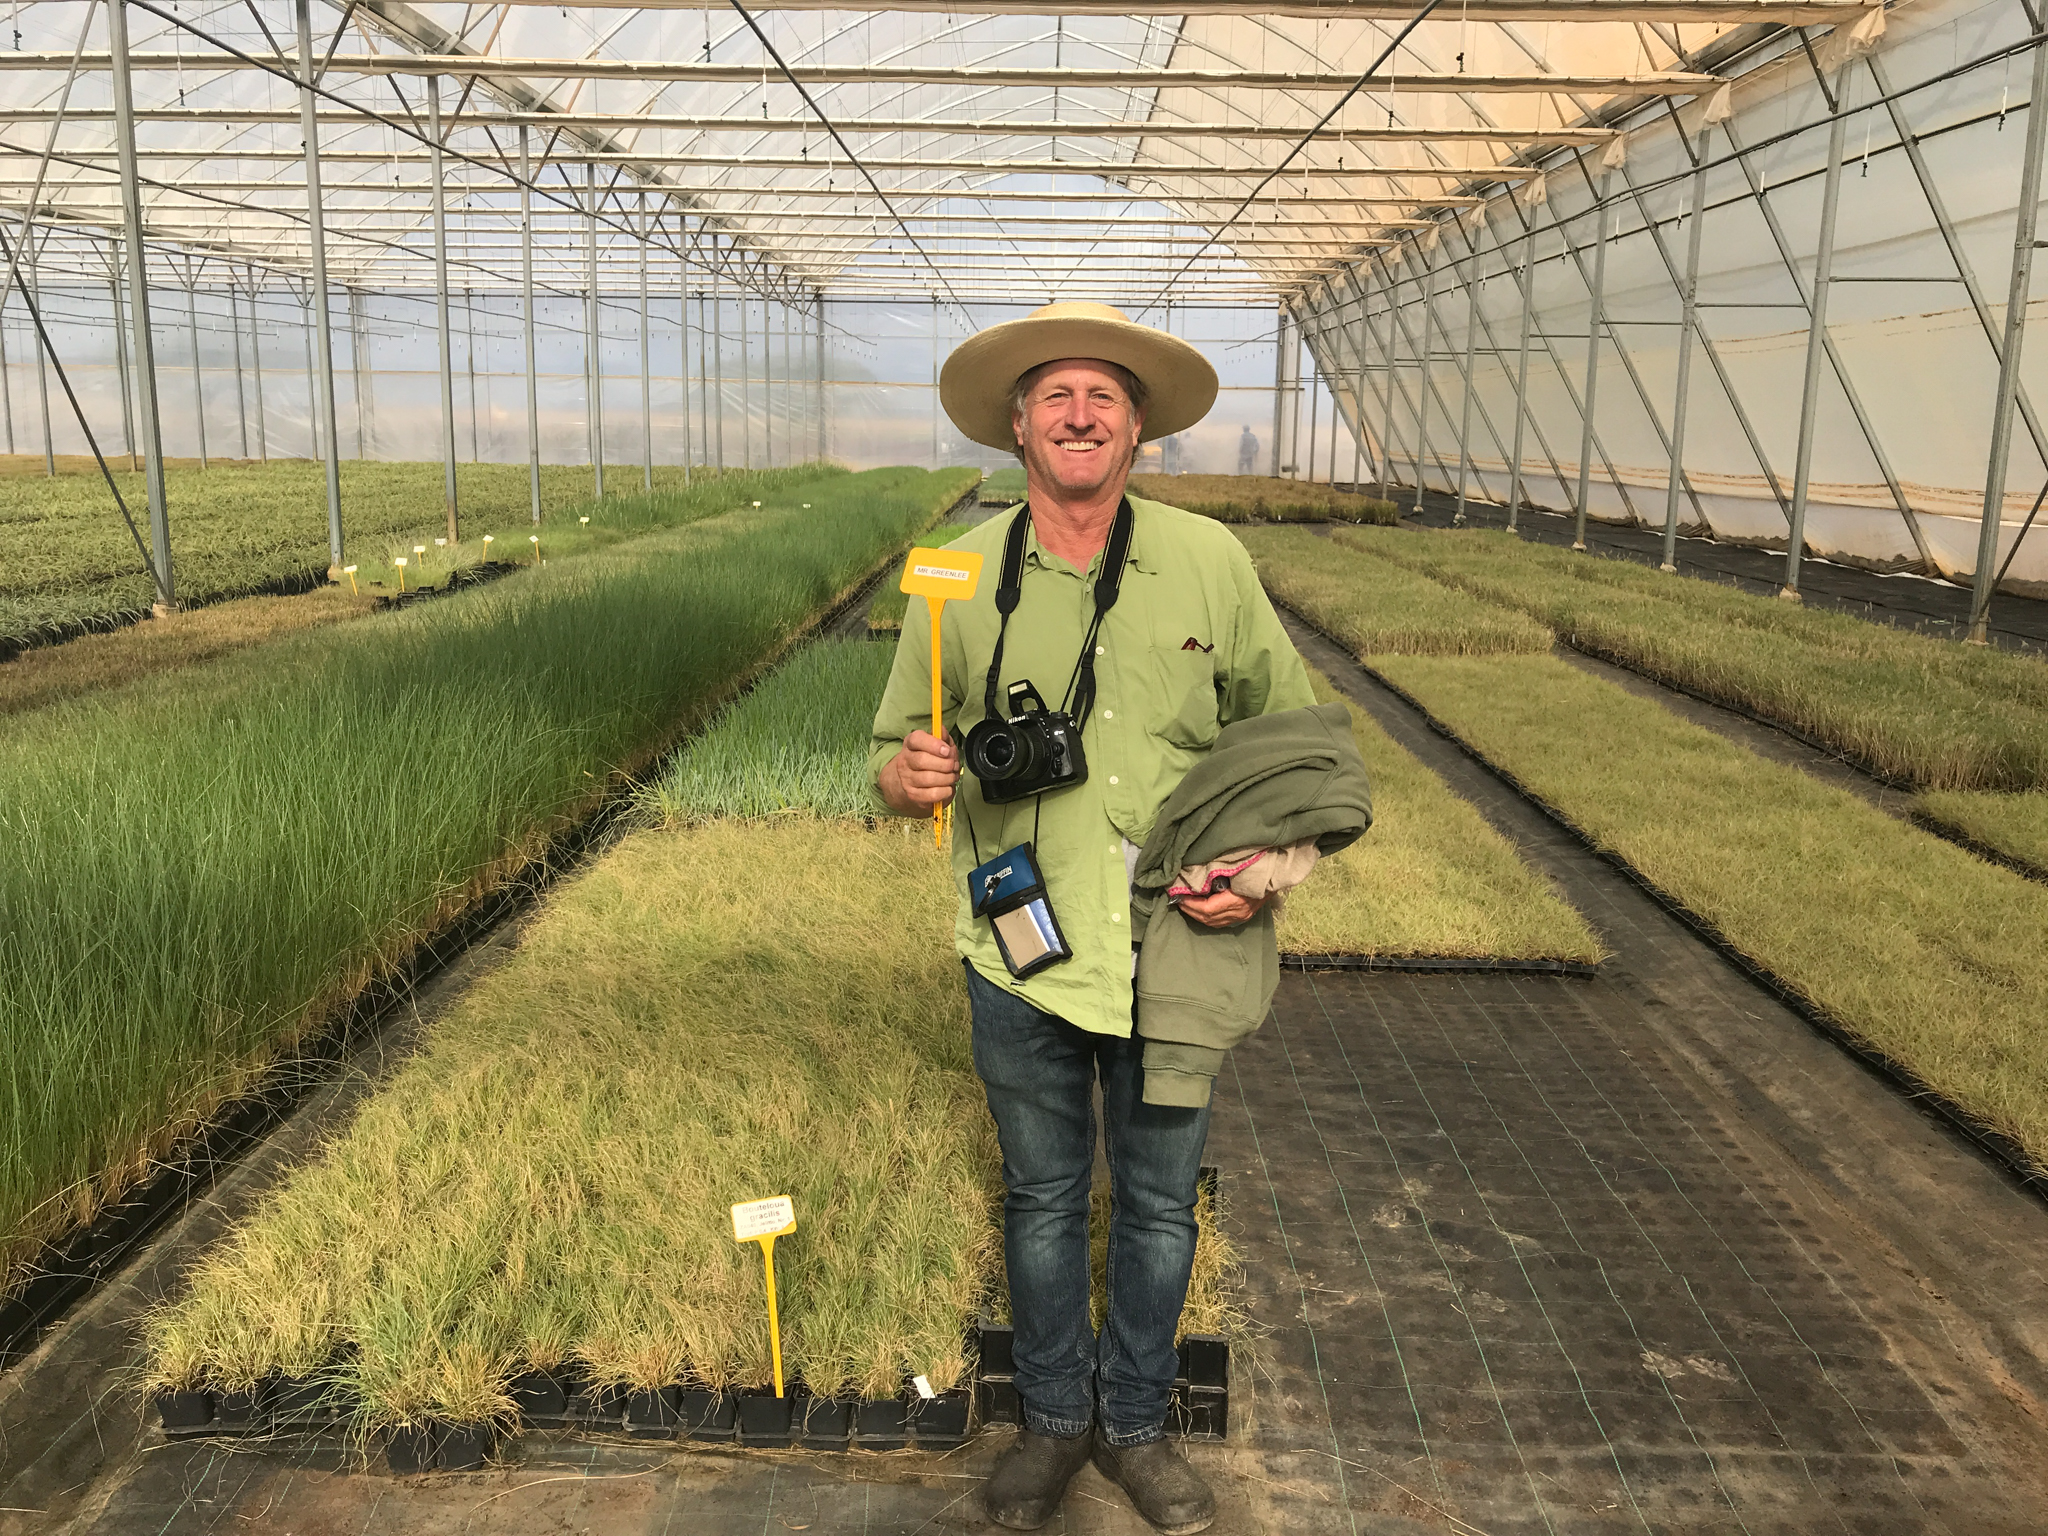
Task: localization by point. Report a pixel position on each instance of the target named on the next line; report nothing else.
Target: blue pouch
(1010, 892)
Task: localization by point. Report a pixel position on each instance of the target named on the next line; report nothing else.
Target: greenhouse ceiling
(964, 152)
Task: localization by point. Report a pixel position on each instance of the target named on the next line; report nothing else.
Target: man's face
(1078, 429)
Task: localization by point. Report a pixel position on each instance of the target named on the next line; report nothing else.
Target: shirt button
(1116, 917)
(1099, 651)
(1109, 714)
(1112, 778)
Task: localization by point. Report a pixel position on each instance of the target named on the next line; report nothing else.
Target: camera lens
(998, 750)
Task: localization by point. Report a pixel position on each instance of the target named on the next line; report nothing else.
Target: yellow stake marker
(940, 576)
(350, 572)
(399, 561)
(763, 1221)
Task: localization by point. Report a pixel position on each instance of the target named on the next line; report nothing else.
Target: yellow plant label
(942, 575)
(756, 1219)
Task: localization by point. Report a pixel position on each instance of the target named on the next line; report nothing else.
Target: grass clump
(1431, 878)
(1909, 707)
(885, 616)
(796, 745)
(1924, 952)
(199, 867)
(1004, 487)
(1262, 499)
(1376, 607)
(237, 528)
(2014, 825)
(550, 1178)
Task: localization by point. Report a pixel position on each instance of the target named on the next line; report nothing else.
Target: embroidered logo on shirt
(1192, 644)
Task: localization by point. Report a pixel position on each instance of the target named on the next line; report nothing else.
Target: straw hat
(975, 384)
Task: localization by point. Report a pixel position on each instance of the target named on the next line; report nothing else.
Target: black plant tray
(1200, 1409)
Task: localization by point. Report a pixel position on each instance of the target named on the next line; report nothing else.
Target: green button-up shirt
(1191, 645)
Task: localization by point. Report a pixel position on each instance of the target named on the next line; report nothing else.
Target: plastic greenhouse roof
(1004, 153)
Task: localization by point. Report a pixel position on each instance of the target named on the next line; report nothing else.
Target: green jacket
(1271, 780)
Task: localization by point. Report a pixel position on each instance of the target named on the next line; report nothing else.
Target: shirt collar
(1036, 554)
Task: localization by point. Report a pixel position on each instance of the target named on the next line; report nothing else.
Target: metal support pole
(317, 237)
(718, 359)
(138, 307)
(1465, 407)
(593, 371)
(1296, 461)
(646, 377)
(1358, 388)
(1310, 378)
(1522, 374)
(1279, 382)
(121, 365)
(1595, 319)
(746, 391)
(43, 369)
(683, 343)
(443, 340)
(1816, 336)
(1387, 434)
(1422, 426)
(1985, 576)
(703, 380)
(256, 368)
(198, 394)
(824, 441)
(526, 286)
(1675, 478)
(241, 396)
(358, 344)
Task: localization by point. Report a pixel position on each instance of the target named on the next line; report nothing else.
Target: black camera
(1035, 750)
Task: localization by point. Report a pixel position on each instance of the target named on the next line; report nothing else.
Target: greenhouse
(545, 984)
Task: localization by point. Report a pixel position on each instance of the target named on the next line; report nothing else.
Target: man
(1188, 644)
(1247, 451)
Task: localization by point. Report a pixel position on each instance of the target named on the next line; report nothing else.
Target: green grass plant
(1910, 707)
(1921, 950)
(199, 867)
(1376, 607)
(1003, 487)
(796, 745)
(885, 615)
(710, 1014)
(66, 558)
(1262, 499)
(1431, 877)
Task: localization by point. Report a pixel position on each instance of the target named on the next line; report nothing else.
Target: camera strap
(1010, 591)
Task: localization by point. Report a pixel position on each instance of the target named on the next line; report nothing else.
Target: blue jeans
(1040, 1073)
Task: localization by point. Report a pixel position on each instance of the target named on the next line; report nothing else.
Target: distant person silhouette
(1247, 452)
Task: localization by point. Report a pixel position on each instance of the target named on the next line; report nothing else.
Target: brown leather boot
(1162, 1486)
(1031, 1478)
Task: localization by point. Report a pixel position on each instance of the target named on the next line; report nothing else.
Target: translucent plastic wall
(1902, 427)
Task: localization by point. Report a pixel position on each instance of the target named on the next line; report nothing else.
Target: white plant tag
(772, 1217)
(924, 1387)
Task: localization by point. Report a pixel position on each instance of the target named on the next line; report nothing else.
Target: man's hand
(921, 776)
(1224, 909)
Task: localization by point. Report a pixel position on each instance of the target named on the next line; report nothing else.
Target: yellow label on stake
(940, 576)
(763, 1221)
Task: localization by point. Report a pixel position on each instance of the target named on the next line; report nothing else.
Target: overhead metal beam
(984, 128)
(1685, 11)
(972, 77)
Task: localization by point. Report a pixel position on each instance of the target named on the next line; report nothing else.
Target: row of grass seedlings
(69, 562)
(2013, 827)
(546, 1184)
(273, 829)
(1262, 499)
(794, 745)
(1004, 488)
(1375, 607)
(1907, 942)
(1431, 879)
(885, 615)
(1913, 708)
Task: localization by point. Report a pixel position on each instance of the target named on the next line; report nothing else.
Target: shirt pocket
(1186, 712)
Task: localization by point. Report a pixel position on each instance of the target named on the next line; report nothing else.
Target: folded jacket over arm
(1270, 781)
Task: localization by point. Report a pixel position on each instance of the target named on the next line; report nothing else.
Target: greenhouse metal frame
(1620, 259)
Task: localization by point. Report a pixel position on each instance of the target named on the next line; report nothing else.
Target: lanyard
(1010, 591)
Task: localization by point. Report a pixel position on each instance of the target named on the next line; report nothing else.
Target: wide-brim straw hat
(975, 384)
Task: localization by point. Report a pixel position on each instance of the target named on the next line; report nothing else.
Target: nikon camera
(1035, 750)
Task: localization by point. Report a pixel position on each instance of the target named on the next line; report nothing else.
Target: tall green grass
(194, 869)
(1929, 955)
(66, 558)
(1376, 607)
(1911, 707)
(796, 745)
